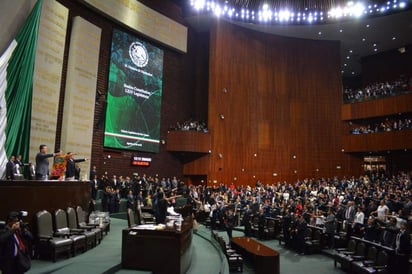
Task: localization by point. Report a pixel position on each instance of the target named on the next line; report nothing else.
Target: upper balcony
(188, 145)
(377, 108)
(383, 141)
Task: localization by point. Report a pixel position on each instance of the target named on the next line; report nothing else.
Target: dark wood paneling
(33, 196)
(378, 108)
(190, 141)
(282, 108)
(383, 141)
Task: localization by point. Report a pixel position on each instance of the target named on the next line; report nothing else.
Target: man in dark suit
(247, 219)
(350, 212)
(161, 208)
(229, 222)
(300, 235)
(42, 162)
(403, 249)
(10, 168)
(71, 166)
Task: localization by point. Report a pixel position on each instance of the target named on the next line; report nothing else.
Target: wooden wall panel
(34, 196)
(282, 108)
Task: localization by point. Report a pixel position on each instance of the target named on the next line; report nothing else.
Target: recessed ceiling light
(353, 72)
(374, 44)
(368, 25)
(342, 71)
(345, 65)
(363, 39)
(341, 30)
(375, 49)
(347, 57)
(350, 51)
(394, 38)
(319, 33)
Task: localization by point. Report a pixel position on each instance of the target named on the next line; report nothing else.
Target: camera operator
(14, 251)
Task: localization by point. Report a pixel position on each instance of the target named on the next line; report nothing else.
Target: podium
(160, 251)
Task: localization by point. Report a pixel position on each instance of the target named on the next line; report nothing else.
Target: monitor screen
(134, 94)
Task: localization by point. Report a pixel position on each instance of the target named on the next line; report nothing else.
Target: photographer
(14, 251)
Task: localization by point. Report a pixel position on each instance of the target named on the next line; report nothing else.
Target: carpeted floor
(207, 257)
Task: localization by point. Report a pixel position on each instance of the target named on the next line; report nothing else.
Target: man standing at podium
(42, 163)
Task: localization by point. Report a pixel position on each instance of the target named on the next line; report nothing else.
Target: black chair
(61, 228)
(47, 245)
(145, 216)
(255, 226)
(341, 236)
(315, 243)
(380, 265)
(346, 261)
(369, 260)
(269, 231)
(234, 259)
(342, 253)
(131, 218)
(80, 214)
(91, 237)
(104, 227)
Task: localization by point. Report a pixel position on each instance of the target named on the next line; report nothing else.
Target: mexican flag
(16, 89)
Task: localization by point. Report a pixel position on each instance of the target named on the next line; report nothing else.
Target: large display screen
(134, 94)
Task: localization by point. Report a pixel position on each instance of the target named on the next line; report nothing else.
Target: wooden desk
(160, 251)
(265, 259)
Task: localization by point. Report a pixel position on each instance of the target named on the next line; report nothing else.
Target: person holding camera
(14, 248)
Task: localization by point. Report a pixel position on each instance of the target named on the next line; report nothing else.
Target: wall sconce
(220, 155)
(274, 174)
(224, 90)
(222, 117)
(163, 141)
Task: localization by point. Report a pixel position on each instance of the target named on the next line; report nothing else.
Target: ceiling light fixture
(295, 11)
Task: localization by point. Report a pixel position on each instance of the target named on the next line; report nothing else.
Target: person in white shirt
(358, 222)
(382, 211)
(359, 216)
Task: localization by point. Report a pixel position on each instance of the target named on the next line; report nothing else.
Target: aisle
(106, 257)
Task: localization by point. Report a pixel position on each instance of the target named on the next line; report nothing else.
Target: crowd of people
(138, 190)
(378, 90)
(191, 125)
(384, 125)
(373, 200)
